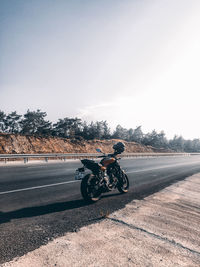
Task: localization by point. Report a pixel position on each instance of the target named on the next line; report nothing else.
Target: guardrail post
(25, 160)
(5, 160)
(46, 159)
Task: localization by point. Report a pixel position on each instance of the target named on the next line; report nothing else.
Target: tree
(12, 123)
(137, 135)
(75, 128)
(120, 133)
(93, 131)
(106, 130)
(85, 131)
(98, 130)
(68, 127)
(61, 128)
(189, 146)
(196, 145)
(34, 123)
(150, 138)
(155, 139)
(130, 134)
(2, 121)
(161, 141)
(177, 143)
(192, 145)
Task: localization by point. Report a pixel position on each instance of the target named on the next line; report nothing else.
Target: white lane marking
(36, 187)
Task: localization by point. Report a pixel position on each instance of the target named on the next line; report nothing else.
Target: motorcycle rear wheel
(123, 184)
(90, 190)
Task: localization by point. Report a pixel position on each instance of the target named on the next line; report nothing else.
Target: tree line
(35, 123)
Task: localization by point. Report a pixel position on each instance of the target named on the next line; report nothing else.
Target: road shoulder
(160, 230)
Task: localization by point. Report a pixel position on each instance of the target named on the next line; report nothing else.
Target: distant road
(41, 201)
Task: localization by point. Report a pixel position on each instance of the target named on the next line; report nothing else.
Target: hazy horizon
(128, 62)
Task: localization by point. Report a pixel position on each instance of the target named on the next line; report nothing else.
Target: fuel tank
(107, 161)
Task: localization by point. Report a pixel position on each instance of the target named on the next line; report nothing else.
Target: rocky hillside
(12, 144)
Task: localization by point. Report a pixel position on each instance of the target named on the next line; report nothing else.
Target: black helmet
(119, 147)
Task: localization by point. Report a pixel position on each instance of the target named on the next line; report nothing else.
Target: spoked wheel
(90, 189)
(123, 184)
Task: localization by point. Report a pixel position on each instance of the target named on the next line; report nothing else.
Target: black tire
(123, 184)
(87, 190)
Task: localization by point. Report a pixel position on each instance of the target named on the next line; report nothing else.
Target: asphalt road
(39, 202)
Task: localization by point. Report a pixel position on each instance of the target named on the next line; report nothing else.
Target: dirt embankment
(10, 143)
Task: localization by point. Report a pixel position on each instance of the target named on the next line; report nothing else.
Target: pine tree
(2, 121)
(12, 123)
(34, 123)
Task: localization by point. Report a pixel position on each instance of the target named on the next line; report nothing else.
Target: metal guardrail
(64, 156)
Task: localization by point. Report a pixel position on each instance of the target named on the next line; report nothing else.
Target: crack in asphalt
(173, 242)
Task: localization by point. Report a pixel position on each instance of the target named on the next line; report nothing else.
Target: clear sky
(130, 62)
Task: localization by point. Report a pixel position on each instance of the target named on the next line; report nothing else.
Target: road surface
(41, 201)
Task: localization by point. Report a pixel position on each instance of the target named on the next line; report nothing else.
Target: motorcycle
(104, 177)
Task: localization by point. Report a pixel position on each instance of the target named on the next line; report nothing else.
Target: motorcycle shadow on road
(41, 210)
(47, 209)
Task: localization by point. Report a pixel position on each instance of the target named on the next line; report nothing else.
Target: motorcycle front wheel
(90, 189)
(123, 184)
